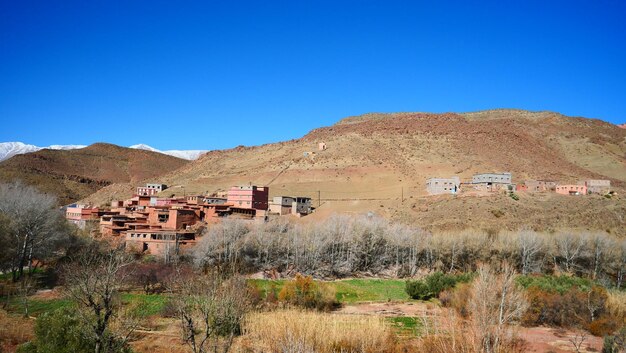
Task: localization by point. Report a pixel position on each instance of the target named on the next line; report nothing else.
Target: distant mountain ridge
(10, 149)
(72, 174)
(184, 154)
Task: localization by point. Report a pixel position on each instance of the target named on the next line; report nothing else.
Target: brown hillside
(74, 174)
(373, 159)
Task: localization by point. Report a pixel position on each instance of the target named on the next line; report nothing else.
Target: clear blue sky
(208, 75)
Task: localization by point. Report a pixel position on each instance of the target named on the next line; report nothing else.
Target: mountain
(10, 149)
(623, 126)
(184, 154)
(373, 162)
(74, 174)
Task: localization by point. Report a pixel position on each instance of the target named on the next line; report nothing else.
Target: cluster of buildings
(158, 225)
(492, 182)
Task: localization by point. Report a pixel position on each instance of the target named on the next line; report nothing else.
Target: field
(351, 290)
(378, 306)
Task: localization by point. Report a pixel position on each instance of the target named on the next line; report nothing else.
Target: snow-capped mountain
(10, 149)
(184, 154)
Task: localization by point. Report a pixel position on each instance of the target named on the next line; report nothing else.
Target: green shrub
(514, 196)
(616, 343)
(434, 284)
(555, 284)
(61, 331)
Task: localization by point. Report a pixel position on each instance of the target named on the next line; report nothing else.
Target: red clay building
(173, 218)
(159, 242)
(253, 197)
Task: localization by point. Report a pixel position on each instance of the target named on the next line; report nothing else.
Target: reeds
(296, 331)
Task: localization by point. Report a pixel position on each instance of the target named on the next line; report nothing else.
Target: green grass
(350, 290)
(147, 304)
(365, 290)
(405, 325)
(37, 307)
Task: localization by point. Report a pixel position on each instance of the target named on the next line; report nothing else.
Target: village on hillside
(163, 226)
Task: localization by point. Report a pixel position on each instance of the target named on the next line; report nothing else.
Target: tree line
(344, 246)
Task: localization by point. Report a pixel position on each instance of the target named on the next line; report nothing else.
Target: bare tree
(620, 263)
(568, 248)
(599, 245)
(93, 281)
(495, 303)
(577, 341)
(35, 226)
(530, 245)
(25, 288)
(211, 310)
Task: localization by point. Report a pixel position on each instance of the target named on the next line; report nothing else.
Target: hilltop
(77, 173)
(374, 160)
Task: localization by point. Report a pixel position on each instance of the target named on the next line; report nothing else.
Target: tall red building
(255, 197)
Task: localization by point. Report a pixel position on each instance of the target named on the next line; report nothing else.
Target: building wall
(180, 219)
(283, 200)
(301, 206)
(144, 191)
(540, 185)
(157, 187)
(571, 189)
(249, 197)
(499, 178)
(437, 186)
(597, 186)
(158, 243)
(279, 209)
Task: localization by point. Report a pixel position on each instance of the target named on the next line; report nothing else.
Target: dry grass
(616, 305)
(289, 331)
(451, 333)
(14, 330)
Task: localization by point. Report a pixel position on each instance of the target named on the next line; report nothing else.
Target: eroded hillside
(375, 159)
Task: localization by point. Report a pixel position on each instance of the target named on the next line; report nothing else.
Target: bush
(457, 298)
(61, 331)
(616, 343)
(603, 326)
(555, 284)
(574, 308)
(304, 292)
(434, 284)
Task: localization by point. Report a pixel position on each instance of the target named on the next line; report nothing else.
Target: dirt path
(545, 339)
(417, 309)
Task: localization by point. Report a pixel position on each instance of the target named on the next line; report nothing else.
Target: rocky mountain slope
(74, 174)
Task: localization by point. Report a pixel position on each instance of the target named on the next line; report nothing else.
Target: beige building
(596, 186)
(284, 205)
(438, 186)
